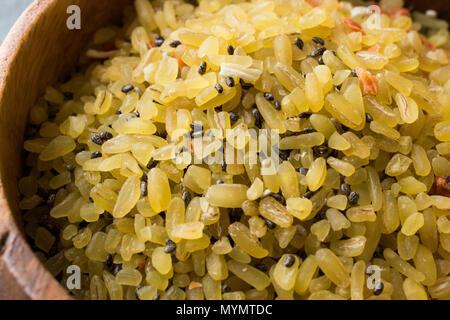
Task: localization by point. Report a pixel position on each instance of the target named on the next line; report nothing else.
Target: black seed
(224, 167)
(345, 189)
(303, 74)
(175, 43)
(226, 288)
(303, 171)
(219, 88)
(202, 67)
(307, 130)
(258, 118)
(268, 96)
(230, 50)
(245, 85)
(277, 105)
(230, 82)
(97, 139)
(270, 224)
(186, 197)
(96, 154)
(143, 188)
(321, 150)
(118, 112)
(369, 118)
(152, 164)
(137, 114)
(261, 266)
(354, 73)
(318, 52)
(105, 135)
(320, 61)
(289, 261)
(299, 43)
(127, 88)
(378, 289)
(233, 117)
(305, 115)
(339, 87)
(353, 198)
(318, 40)
(145, 177)
(116, 268)
(170, 246)
(159, 43)
(284, 154)
(333, 52)
(218, 109)
(109, 261)
(308, 194)
(219, 182)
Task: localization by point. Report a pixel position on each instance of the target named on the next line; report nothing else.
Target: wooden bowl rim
(10, 235)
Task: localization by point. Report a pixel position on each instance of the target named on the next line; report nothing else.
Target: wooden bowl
(39, 50)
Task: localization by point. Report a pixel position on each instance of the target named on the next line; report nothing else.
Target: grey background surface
(10, 10)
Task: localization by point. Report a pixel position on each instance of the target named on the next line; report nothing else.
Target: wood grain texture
(36, 53)
(38, 50)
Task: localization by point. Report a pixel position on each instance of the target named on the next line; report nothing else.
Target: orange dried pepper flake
(375, 48)
(194, 285)
(429, 45)
(399, 12)
(314, 3)
(181, 63)
(368, 82)
(353, 24)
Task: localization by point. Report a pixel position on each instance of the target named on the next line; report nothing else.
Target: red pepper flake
(368, 82)
(152, 43)
(399, 12)
(375, 48)
(181, 63)
(447, 52)
(194, 285)
(134, 68)
(314, 3)
(429, 45)
(353, 24)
